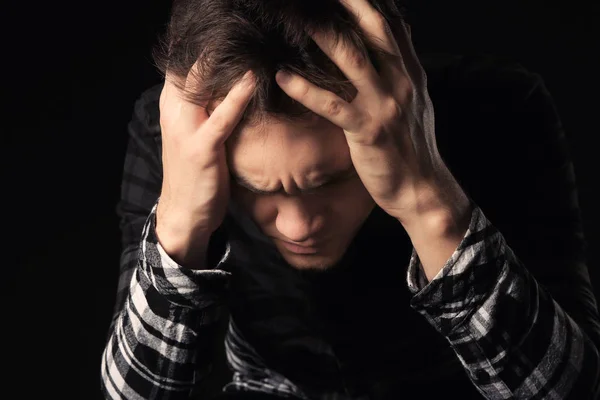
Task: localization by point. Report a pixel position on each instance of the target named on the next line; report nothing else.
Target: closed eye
(331, 181)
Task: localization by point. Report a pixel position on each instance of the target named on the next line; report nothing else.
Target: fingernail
(282, 77)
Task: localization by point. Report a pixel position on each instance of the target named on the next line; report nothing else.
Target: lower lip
(299, 249)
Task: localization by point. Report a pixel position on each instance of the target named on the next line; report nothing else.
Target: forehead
(278, 147)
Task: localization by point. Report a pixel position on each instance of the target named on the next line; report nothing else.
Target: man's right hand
(195, 187)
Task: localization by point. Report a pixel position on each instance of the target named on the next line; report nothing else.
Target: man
(317, 209)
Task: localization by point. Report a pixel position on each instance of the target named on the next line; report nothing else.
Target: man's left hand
(389, 125)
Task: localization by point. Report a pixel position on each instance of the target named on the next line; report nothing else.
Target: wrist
(439, 206)
(187, 250)
(436, 236)
(185, 244)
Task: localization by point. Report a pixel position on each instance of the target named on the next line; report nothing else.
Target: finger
(229, 112)
(373, 24)
(173, 104)
(192, 84)
(378, 30)
(169, 104)
(409, 55)
(320, 101)
(356, 66)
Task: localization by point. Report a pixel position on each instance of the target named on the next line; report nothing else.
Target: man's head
(291, 170)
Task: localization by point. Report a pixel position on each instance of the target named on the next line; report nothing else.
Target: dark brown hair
(229, 37)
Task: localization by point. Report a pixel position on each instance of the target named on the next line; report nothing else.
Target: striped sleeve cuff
(182, 286)
(456, 291)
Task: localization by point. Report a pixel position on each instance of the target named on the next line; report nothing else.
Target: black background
(72, 73)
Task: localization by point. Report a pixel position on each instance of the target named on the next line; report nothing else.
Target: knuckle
(390, 109)
(407, 91)
(303, 91)
(333, 107)
(356, 59)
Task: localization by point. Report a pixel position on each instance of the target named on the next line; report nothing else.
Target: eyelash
(330, 184)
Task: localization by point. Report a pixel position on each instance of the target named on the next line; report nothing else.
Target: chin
(311, 262)
(325, 259)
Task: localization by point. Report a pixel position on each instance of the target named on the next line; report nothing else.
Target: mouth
(298, 249)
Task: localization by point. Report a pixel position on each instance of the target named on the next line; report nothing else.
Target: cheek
(264, 210)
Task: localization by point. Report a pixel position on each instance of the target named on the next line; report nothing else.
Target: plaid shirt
(519, 333)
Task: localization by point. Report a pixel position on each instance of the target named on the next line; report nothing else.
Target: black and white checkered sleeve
(512, 337)
(162, 325)
(155, 348)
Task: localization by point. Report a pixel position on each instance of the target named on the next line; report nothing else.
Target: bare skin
(195, 188)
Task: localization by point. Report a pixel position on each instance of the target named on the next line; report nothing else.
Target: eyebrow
(323, 180)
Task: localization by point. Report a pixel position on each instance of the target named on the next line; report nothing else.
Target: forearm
(514, 340)
(158, 342)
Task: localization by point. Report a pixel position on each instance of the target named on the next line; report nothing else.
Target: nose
(298, 221)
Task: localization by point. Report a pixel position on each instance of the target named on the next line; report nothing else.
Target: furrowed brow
(323, 180)
(245, 183)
